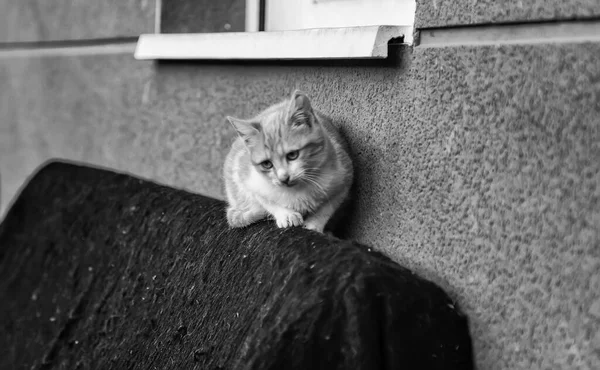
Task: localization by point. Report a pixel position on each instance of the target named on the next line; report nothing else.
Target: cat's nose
(284, 177)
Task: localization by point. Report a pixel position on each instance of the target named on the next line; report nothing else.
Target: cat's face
(288, 156)
(286, 142)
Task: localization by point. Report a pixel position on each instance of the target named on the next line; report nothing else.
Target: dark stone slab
(440, 13)
(102, 270)
(184, 16)
(35, 20)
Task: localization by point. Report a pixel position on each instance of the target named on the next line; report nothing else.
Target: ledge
(369, 42)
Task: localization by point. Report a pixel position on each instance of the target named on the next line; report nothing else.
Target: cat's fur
(318, 180)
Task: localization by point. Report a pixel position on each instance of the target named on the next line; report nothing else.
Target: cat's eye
(266, 165)
(292, 155)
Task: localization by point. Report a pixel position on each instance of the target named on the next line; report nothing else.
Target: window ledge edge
(365, 42)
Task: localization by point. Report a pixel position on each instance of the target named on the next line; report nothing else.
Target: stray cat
(290, 163)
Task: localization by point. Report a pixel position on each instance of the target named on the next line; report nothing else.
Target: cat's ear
(300, 110)
(245, 129)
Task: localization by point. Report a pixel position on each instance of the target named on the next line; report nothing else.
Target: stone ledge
(511, 34)
(320, 43)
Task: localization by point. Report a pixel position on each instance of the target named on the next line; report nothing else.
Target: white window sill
(369, 42)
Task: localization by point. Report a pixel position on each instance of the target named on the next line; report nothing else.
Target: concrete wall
(478, 166)
(443, 13)
(59, 20)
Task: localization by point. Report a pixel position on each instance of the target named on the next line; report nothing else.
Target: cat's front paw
(288, 219)
(237, 218)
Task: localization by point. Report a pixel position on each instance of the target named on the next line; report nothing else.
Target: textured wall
(38, 20)
(106, 110)
(478, 167)
(440, 13)
(496, 191)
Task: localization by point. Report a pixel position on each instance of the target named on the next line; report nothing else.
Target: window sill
(370, 42)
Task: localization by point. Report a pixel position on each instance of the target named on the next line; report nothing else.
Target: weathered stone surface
(203, 16)
(440, 13)
(35, 20)
(477, 167)
(100, 270)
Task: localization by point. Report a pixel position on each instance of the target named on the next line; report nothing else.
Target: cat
(289, 163)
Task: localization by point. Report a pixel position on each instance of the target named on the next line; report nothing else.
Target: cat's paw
(237, 218)
(288, 219)
(314, 225)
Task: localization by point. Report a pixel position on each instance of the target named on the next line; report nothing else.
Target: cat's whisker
(318, 186)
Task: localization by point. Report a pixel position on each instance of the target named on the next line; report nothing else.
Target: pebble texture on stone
(444, 13)
(100, 270)
(502, 196)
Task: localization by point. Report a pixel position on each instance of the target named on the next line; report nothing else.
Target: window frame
(359, 42)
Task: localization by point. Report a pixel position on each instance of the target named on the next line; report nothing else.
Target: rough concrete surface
(477, 167)
(493, 185)
(35, 20)
(440, 13)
